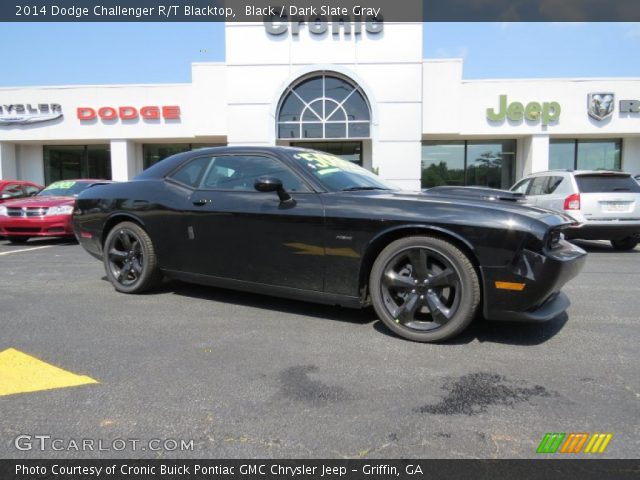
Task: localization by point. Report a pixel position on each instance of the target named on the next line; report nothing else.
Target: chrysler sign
(28, 113)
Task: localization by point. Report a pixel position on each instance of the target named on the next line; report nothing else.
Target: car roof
(164, 167)
(580, 172)
(22, 182)
(83, 180)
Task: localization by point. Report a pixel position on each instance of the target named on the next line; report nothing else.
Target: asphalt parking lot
(243, 375)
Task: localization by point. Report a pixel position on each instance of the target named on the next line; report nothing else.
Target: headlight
(62, 210)
(3, 211)
(554, 238)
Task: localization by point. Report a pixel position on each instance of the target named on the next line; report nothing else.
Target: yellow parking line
(21, 373)
(26, 249)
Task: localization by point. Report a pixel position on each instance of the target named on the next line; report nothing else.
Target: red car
(48, 214)
(12, 189)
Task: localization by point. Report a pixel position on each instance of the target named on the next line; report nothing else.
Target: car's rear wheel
(424, 289)
(624, 244)
(18, 240)
(130, 260)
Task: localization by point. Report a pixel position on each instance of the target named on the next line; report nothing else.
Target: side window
(553, 184)
(521, 186)
(240, 172)
(538, 186)
(192, 172)
(12, 190)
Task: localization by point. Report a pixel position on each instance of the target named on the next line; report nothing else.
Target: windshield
(337, 175)
(64, 188)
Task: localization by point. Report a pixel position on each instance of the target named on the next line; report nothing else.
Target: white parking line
(26, 249)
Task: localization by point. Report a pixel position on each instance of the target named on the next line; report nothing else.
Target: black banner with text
(318, 469)
(319, 10)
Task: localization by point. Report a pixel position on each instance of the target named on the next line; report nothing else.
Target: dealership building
(358, 89)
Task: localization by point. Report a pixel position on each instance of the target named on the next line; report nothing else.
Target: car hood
(475, 198)
(40, 202)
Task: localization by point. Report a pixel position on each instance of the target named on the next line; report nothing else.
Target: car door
(240, 233)
(556, 190)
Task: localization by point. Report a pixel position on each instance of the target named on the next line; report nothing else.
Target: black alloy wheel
(129, 259)
(424, 288)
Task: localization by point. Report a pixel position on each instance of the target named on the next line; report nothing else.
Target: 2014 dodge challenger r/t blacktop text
(307, 225)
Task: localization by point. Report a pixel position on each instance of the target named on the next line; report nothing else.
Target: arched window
(324, 106)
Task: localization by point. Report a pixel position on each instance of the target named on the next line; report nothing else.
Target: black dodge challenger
(307, 225)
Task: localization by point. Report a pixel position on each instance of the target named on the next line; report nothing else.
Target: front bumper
(46, 226)
(543, 276)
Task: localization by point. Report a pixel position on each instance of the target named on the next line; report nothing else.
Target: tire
(624, 244)
(129, 258)
(18, 240)
(424, 289)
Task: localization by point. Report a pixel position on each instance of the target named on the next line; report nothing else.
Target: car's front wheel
(624, 244)
(130, 259)
(424, 289)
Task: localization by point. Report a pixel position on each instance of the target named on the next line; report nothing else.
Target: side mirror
(272, 184)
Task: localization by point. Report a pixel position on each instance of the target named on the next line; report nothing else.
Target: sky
(108, 53)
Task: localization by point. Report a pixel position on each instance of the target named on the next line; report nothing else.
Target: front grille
(26, 212)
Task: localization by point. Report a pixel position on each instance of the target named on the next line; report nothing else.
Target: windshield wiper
(355, 189)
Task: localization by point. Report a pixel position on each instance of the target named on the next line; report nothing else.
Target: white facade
(411, 100)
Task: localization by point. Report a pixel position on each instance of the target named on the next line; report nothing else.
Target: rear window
(606, 183)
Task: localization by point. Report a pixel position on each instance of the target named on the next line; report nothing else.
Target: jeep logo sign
(546, 112)
(319, 25)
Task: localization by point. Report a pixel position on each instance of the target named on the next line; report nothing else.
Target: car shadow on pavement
(597, 246)
(255, 300)
(508, 333)
(39, 242)
(511, 333)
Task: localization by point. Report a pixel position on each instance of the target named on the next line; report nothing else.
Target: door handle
(201, 201)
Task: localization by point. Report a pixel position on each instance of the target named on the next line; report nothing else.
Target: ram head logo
(601, 105)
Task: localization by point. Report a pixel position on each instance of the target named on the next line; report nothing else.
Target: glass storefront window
(153, 153)
(599, 154)
(442, 163)
(562, 154)
(585, 154)
(480, 163)
(322, 107)
(65, 162)
(491, 164)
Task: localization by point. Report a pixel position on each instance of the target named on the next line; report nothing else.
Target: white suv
(606, 204)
